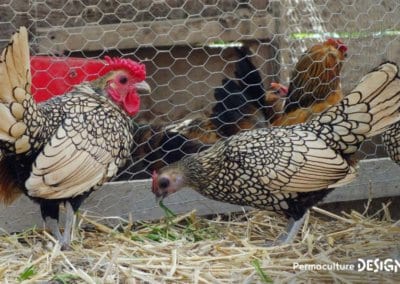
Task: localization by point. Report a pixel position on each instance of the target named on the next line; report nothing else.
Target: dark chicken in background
(289, 169)
(314, 83)
(59, 151)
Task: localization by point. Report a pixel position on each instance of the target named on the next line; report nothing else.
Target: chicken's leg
(52, 224)
(291, 230)
(69, 219)
(50, 214)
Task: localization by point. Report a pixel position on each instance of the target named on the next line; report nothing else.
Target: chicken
(391, 140)
(289, 169)
(240, 104)
(61, 150)
(315, 83)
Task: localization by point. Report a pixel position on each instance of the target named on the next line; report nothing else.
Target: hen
(61, 150)
(315, 83)
(289, 169)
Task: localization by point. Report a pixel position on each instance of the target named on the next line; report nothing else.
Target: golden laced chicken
(242, 103)
(314, 83)
(61, 150)
(289, 169)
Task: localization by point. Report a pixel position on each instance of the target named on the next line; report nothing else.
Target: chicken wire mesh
(188, 47)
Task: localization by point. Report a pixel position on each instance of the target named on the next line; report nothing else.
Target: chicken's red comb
(337, 43)
(137, 70)
(278, 86)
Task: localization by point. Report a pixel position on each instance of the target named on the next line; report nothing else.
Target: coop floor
(192, 249)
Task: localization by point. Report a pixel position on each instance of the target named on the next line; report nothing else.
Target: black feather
(249, 78)
(238, 98)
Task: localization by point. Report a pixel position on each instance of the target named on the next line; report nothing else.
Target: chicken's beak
(159, 198)
(154, 188)
(159, 195)
(143, 88)
(282, 90)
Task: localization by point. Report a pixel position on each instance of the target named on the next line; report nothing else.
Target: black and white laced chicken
(61, 150)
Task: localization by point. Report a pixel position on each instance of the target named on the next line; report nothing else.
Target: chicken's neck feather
(201, 169)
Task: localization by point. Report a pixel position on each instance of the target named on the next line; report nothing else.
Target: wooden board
(377, 178)
(196, 31)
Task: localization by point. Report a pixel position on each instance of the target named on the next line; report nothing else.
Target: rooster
(61, 150)
(289, 169)
(241, 104)
(315, 83)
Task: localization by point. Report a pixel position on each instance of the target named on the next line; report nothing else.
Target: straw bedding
(192, 249)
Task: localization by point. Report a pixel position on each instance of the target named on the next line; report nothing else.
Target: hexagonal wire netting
(188, 47)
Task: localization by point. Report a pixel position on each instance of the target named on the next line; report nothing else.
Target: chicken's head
(168, 181)
(279, 89)
(125, 83)
(338, 44)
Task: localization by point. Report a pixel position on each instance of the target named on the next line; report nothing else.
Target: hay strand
(193, 249)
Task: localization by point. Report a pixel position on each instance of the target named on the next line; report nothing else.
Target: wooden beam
(195, 31)
(377, 178)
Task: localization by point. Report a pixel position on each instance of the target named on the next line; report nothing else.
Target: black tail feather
(249, 78)
(240, 97)
(229, 107)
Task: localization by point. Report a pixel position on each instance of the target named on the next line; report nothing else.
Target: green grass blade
(263, 276)
(168, 213)
(27, 273)
(65, 278)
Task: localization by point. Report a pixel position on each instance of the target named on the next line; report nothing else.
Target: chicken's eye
(163, 183)
(123, 80)
(73, 73)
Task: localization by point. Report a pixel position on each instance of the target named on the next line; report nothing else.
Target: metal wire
(187, 45)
